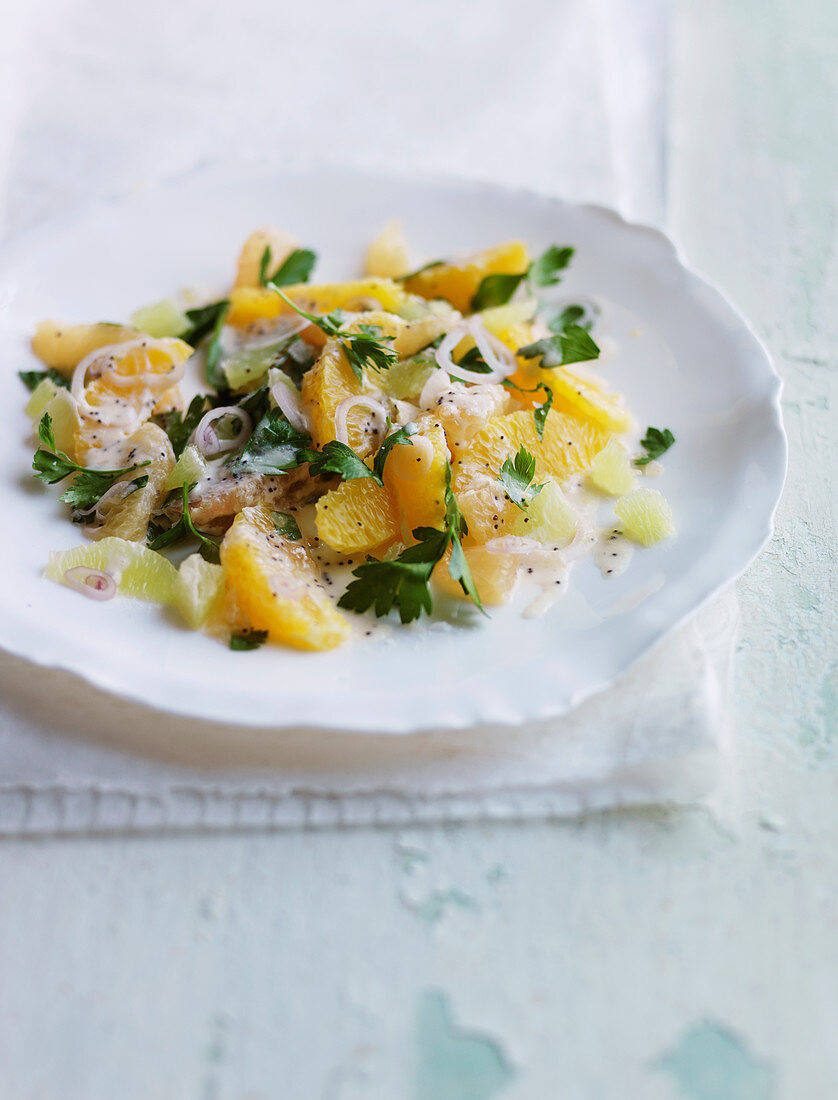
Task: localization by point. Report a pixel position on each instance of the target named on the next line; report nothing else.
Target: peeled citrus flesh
(457, 282)
(249, 303)
(611, 471)
(548, 518)
(128, 518)
(356, 517)
(415, 474)
(249, 265)
(646, 516)
(275, 586)
(64, 346)
(569, 445)
(138, 571)
(494, 575)
(387, 255)
(588, 397)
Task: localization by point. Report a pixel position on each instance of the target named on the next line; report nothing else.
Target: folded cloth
(76, 759)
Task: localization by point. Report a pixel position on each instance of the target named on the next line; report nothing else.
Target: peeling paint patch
(497, 873)
(436, 904)
(710, 1062)
(453, 1064)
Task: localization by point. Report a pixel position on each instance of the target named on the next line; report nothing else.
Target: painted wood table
(649, 955)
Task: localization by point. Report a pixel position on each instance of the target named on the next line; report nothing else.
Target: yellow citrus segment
(200, 590)
(387, 255)
(249, 304)
(274, 584)
(611, 471)
(569, 445)
(494, 575)
(549, 517)
(64, 346)
(646, 515)
(281, 244)
(163, 318)
(356, 517)
(138, 571)
(415, 475)
(457, 282)
(588, 397)
(56, 402)
(128, 517)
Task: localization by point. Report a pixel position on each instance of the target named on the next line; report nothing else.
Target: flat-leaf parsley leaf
(51, 465)
(367, 347)
(516, 476)
(404, 583)
(295, 268)
(573, 345)
(655, 442)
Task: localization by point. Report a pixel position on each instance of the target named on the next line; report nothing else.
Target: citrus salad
(297, 458)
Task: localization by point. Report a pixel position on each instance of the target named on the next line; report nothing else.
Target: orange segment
(569, 445)
(483, 502)
(272, 582)
(587, 397)
(128, 518)
(494, 575)
(387, 255)
(281, 244)
(249, 304)
(458, 281)
(415, 476)
(330, 381)
(64, 346)
(126, 395)
(356, 517)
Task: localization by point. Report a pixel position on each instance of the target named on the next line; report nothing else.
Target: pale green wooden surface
(655, 955)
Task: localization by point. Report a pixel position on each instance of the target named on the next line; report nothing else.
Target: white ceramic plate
(695, 367)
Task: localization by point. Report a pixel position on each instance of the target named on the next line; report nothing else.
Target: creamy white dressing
(613, 553)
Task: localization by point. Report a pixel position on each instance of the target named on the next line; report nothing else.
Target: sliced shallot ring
(91, 582)
(287, 327)
(117, 492)
(208, 441)
(495, 353)
(111, 352)
(286, 397)
(373, 405)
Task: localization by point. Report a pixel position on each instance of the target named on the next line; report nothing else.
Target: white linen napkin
(567, 98)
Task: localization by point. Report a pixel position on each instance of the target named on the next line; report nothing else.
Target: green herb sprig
(178, 425)
(404, 583)
(33, 378)
(496, 290)
(516, 477)
(365, 348)
(573, 345)
(51, 466)
(295, 268)
(655, 442)
(184, 529)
